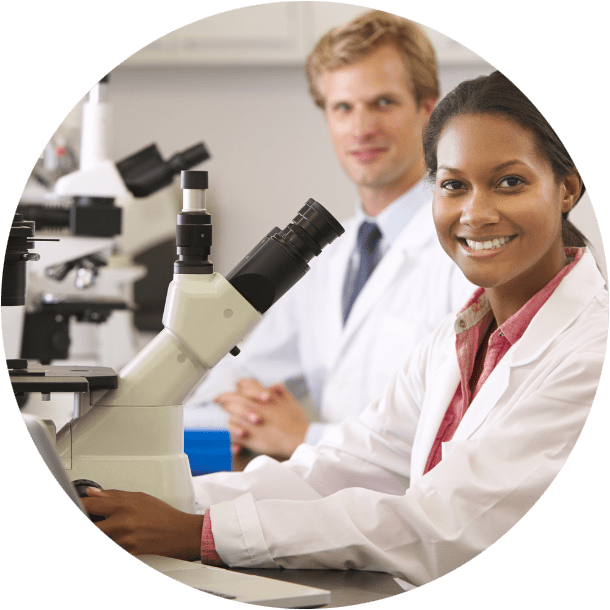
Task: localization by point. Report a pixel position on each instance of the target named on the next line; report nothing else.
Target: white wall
(269, 144)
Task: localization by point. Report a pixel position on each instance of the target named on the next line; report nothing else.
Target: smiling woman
(504, 185)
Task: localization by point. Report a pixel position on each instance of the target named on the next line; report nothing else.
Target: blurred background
(236, 82)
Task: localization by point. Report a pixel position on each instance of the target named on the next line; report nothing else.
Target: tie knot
(368, 237)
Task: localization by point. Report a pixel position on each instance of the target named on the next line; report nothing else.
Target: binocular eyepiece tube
(280, 259)
(277, 262)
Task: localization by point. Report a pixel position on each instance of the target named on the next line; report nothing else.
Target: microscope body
(131, 438)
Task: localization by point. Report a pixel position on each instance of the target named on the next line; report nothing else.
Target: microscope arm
(204, 319)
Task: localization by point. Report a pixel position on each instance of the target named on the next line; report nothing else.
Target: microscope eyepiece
(280, 259)
(145, 172)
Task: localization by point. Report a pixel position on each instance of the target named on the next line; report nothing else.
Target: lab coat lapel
(486, 399)
(566, 303)
(439, 392)
(411, 239)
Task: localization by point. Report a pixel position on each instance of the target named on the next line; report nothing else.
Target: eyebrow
(370, 100)
(497, 168)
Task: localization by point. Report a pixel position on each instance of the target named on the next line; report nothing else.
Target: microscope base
(130, 449)
(165, 477)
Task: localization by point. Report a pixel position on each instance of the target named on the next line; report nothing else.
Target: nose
(478, 210)
(364, 123)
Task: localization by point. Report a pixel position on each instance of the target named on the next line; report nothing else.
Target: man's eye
(510, 182)
(384, 101)
(342, 107)
(451, 185)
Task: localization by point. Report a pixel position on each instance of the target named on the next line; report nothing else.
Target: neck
(375, 199)
(508, 299)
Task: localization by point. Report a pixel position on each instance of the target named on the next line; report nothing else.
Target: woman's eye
(510, 182)
(384, 101)
(451, 185)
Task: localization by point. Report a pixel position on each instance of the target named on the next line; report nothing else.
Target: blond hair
(351, 42)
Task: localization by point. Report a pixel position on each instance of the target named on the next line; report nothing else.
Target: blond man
(355, 317)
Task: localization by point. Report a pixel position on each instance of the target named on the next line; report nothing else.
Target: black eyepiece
(146, 172)
(280, 259)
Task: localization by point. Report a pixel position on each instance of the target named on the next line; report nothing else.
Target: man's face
(375, 124)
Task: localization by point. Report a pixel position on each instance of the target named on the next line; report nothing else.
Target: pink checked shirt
(471, 325)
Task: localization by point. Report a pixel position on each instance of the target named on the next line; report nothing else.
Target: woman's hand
(143, 524)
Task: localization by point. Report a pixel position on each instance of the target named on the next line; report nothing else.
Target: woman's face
(498, 205)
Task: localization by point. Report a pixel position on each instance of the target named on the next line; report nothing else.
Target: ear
(428, 105)
(571, 187)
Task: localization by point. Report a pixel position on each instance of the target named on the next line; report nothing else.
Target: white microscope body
(132, 438)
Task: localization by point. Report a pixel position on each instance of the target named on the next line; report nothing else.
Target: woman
(478, 421)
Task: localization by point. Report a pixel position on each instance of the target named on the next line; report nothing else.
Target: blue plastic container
(208, 450)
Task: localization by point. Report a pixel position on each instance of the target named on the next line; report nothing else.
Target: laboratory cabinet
(281, 33)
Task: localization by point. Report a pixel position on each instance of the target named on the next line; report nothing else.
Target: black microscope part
(20, 240)
(81, 489)
(280, 259)
(146, 172)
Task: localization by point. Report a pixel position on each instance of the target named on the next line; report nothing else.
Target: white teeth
(487, 245)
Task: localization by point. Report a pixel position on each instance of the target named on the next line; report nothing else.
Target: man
(375, 79)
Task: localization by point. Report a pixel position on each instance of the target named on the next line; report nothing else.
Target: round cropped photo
(304, 305)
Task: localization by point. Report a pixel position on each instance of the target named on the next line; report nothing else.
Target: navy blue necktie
(368, 247)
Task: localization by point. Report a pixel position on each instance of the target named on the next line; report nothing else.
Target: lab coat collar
(573, 294)
(567, 302)
(394, 220)
(570, 298)
(408, 244)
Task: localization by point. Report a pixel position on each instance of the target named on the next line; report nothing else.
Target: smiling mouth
(491, 244)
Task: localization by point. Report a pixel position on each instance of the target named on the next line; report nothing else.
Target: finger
(226, 397)
(235, 400)
(105, 501)
(237, 431)
(253, 389)
(100, 506)
(245, 411)
(279, 389)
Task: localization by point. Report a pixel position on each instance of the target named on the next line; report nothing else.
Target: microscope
(80, 297)
(129, 434)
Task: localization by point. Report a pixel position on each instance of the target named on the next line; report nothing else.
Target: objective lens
(280, 259)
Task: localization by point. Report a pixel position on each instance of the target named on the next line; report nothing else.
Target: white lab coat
(345, 367)
(360, 500)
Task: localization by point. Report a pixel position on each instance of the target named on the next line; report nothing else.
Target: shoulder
(573, 320)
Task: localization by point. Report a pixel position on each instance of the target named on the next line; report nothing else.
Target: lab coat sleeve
(363, 451)
(316, 430)
(482, 487)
